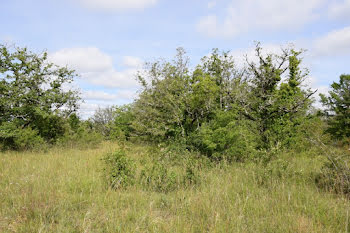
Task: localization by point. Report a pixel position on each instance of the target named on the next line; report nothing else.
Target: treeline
(217, 108)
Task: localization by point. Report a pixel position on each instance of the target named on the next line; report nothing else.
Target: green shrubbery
(159, 173)
(226, 137)
(119, 170)
(222, 111)
(13, 137)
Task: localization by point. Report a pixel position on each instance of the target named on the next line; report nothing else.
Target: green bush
(119, 170)
(159, 178)
(164, 175)
(226, 138)
(80, 136)
(13, 137)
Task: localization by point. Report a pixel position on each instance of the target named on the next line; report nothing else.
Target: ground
(62, 190)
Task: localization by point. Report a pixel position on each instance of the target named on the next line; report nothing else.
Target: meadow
(64, 190)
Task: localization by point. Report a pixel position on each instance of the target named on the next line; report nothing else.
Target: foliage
(337, 110)
(80, 135)
(223, 111)
(119, 169)
(16, 138)
(121, 124)
(102, 119)
(226, 137)
(277, 102)
(32, 94)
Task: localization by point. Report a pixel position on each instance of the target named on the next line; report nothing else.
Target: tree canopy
(337, 104)
(33, 94)
(265, 100)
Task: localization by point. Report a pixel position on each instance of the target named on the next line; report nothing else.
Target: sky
(107, 41)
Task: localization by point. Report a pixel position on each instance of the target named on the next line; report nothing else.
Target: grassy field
(62, 190)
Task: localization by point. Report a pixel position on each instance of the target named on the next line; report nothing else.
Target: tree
(122, 122)
(32, 93)
(219, 109)
(102, 118)
(159, 110)
(337, 110)
(276, 100)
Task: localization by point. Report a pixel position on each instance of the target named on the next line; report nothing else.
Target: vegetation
(33, 103)
(338, 108)
(63, 190)
(213, 148)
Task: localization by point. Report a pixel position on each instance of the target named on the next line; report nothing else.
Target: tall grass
(62, 190)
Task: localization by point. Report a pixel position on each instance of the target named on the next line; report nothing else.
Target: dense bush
(226, 137)
(223, 111)
(79, 134)
(119, 169)
(13, 137)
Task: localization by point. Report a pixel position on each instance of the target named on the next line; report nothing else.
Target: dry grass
(62, 191)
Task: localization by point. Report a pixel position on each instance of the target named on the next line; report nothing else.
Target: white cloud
(98, 95)
(97, 68)
(340, 10)
(249, 15)
(112, 78)
(133, 62)
(110, 5)
(82, 59)
(88, 109)
(127, 94)
(105, 96)
(335, 43)
(102, 99)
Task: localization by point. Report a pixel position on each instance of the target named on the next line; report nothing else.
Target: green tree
(217, 108)
(102, 119)
(276, 100)
(159, 110)
(32, 93)
(337, 110)
(121, 126)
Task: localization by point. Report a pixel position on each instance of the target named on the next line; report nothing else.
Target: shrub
(81, 136)
(13, 137)
(119, 169)
(226, 138)
(157, 177)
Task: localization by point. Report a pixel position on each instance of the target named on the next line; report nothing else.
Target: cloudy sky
(106, 41)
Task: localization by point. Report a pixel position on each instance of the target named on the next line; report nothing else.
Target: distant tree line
(216, 108)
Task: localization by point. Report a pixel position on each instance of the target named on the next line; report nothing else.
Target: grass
(62, 190)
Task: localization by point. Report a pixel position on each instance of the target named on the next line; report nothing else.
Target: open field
(62, 190)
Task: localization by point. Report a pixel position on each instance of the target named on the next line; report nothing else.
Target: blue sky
(107, 41)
